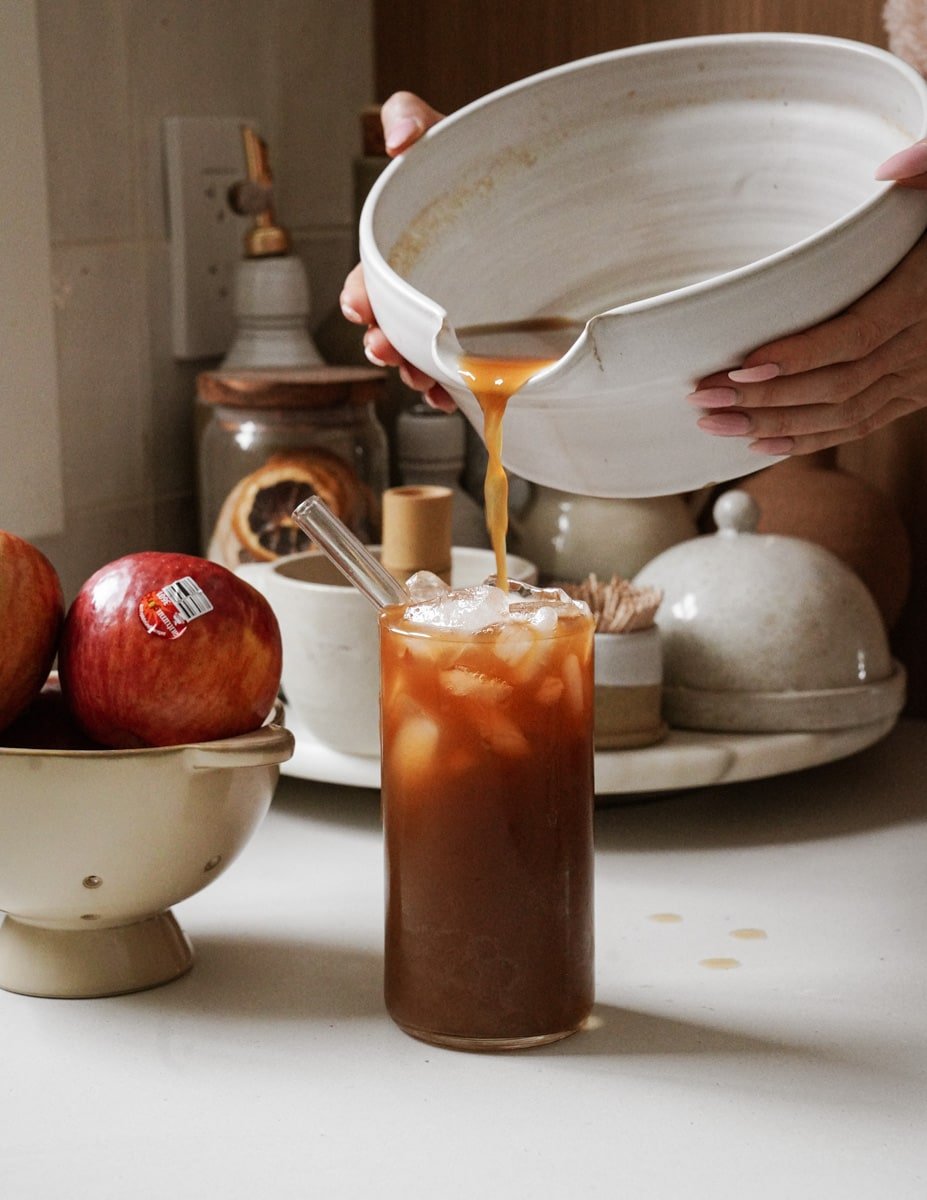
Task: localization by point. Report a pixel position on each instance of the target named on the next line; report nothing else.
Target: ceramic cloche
(768, 633)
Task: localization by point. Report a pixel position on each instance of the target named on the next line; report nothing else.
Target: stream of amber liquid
(494, 378)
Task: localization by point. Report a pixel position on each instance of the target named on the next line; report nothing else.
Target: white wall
(31, 500)
(110, 70)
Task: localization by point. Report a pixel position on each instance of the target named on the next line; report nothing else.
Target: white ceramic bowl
(764, 633)
(684, 202)
(331, 653)
(95, 846)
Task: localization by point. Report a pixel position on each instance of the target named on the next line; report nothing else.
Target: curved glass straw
(349, 554)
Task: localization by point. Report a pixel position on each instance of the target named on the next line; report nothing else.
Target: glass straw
(349, 554)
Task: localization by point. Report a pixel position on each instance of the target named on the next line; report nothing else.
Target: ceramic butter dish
(767, 633)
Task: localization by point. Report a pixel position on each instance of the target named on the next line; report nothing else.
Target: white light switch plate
(204, 156)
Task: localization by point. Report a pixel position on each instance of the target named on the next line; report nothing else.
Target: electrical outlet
(204, 156)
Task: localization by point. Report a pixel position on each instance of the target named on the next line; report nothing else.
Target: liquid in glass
(487, 789)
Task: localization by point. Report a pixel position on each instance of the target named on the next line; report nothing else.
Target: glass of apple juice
(487, 788)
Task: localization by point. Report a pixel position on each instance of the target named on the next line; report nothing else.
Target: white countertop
(272, 1071)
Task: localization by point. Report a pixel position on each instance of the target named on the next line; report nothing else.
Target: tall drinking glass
(487, 788)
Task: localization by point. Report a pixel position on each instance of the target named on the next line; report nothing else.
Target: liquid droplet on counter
(749, 935)
(665, 918)
(720, 964)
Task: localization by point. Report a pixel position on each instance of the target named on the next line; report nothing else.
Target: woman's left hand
(842, 379)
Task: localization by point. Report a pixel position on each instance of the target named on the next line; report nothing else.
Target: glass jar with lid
(269, 440)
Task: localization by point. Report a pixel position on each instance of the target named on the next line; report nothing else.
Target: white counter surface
(272, 1071)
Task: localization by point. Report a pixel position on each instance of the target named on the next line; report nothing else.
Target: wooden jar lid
(312, 387)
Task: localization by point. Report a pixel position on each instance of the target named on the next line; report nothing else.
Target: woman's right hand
(405, 118)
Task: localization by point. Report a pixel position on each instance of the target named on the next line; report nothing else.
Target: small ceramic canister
(628, 662)
(628, 689)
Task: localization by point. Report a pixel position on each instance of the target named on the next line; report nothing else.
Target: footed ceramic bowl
(95, 847)
(764, 633)
(677, 205)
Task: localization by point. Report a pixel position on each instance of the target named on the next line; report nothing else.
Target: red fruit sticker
(168, 611)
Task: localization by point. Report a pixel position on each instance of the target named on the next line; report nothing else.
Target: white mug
(331, 654)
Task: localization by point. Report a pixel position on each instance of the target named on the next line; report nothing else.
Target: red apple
(161, 649)
(47, 724)
(31, 611)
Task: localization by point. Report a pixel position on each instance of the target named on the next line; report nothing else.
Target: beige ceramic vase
(810, 497)
(568, 536)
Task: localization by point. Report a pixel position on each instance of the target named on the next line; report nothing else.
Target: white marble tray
(686, 759)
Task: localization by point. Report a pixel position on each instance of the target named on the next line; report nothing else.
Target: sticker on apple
(168, 611)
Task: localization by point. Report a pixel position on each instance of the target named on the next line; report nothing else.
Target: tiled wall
(111, 69)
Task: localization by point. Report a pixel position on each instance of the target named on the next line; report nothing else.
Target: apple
(161, 649)
(31, 612)
(47, 724)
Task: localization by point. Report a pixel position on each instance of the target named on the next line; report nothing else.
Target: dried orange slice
(256, 523)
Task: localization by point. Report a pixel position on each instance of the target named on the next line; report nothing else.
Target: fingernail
(781, 445)
(402, 132)
(718, 397)
(351, 313)
(438, 398)
(371, 357)
(905, 164)
(754, 374)
(730, 424)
